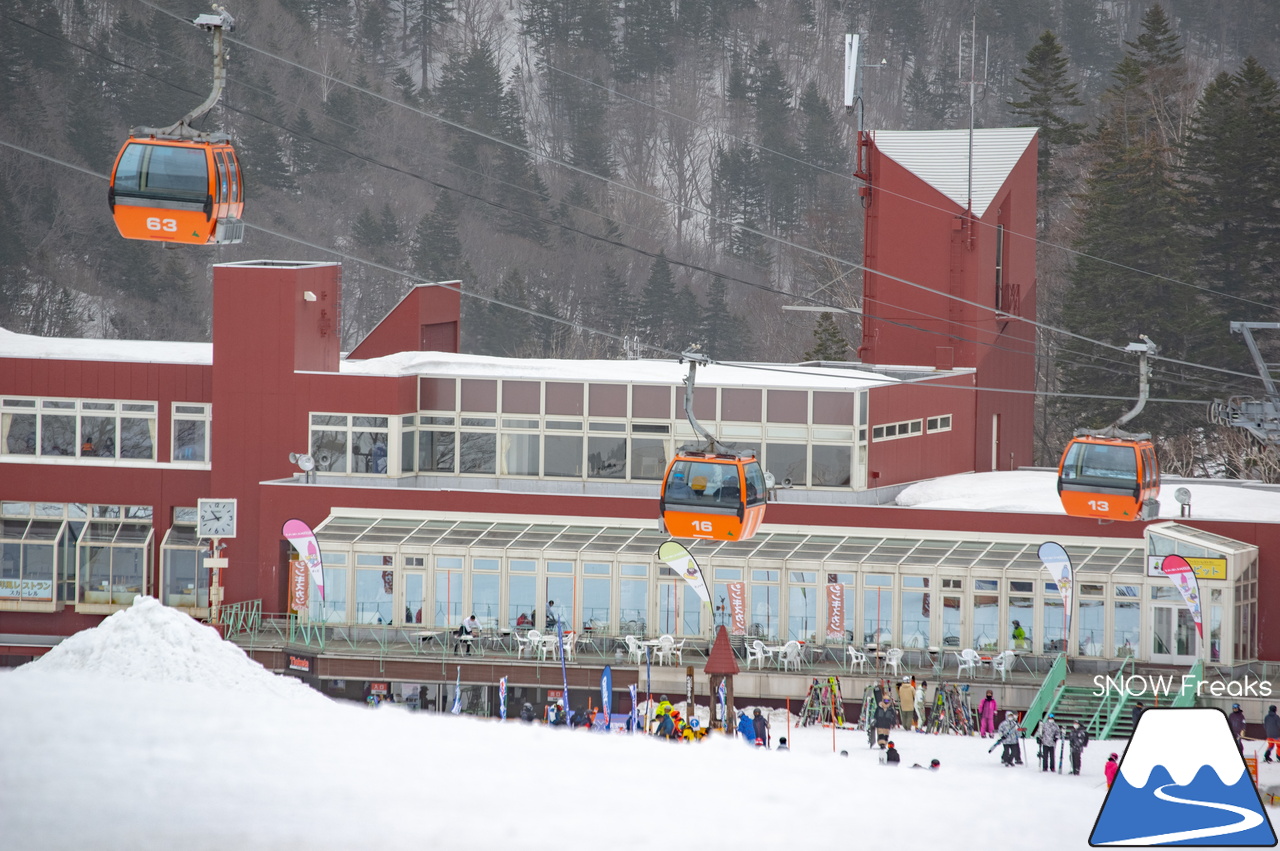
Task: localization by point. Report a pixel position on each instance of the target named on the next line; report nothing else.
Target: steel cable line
(661, 199)
(798, 370)
(693, 267)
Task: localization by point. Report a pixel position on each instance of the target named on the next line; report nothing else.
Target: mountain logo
(1183, 781)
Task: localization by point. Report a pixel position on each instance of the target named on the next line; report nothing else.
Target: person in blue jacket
(746, 728)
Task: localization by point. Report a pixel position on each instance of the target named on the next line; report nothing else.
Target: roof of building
(941, 159)
(720, 660)
(130, 351)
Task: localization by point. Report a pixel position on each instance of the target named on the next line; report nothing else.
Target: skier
(1008, 735)
(885, 716)
(920, 719)
(891, 756)
(1271, 723)
(1048, 739)
(1236, 720)
(987, 710)
(526, 713)
(761, 725)
(1078, 739)
(1138, 709)
(1111, 768)
(907, 700)
(933, 765)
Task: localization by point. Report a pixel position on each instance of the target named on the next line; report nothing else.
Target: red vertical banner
(299, 588)
(835, 610)
(737, 607)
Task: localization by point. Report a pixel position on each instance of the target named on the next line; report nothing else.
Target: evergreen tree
(829, 343)
(340, 129)
(1232, 169)
(779, 156)
(366, 231)
(435, 251)
(615, 305)
(647, 34)
(722, 334)
(403, 84)
(508, 332)
(1158, 55)
(302, 145)
(1048, 94)
(657, 313)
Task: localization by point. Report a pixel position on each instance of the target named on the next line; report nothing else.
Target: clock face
(217, 518)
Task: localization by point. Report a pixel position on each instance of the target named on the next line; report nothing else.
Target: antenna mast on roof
(973, 84)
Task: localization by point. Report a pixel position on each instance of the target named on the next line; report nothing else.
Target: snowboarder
(1111, 768)
(987, 710)
(907, 700)
(933, 765)
(1008, 736)
(1138, 709)
(1236, 720)
(885, 718)
(891, 756)
(1271, 723)
(1048, 739)
(1077, 740)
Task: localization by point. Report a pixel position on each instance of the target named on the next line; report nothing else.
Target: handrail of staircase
(306, 633)
(241, 617)
(1117, 711)
(1044, 697)
(1187, 693)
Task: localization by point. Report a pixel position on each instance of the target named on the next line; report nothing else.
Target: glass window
(802, 612)
(137, 437)
(448, 602)
(415, 597)
(57, 435)
(190, 433)
(593, 568)
(520, 454)
(1054, 629)
(485, 590)
(18, 433)
(1092, 629)
(408, 445)
(915, 612)
(333, 608)
(1127, 618)
(788, 461)
(951, 637)
(435, 451)
(595, 603)
(329, 449)
(635, 570)
(522, 598)
(521, 565)
(1022, 615)
(648, 458)
(606, 457)
(633, 608)
(484, 564)
(563, 455)
(831, 466)
(764, 619)
(559, 567)
(986, 622)
(185, 579)
(668, 611)
(691, 617)
(374, 593)
(560, 590)
(877, 609)
(369, 450)
(479, 452)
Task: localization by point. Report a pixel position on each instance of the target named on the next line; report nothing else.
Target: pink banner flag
(1184, 576)
(304, 541)
(835, 610)
(737, 607)
(299, 588)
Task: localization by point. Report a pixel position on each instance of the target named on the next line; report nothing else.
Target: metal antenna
(973, 84)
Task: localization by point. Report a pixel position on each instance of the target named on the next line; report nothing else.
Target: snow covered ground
(1035, 492)
(148, 732)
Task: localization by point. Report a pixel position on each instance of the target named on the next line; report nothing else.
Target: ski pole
(1062, 746)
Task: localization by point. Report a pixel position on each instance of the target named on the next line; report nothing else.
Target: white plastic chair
(968, 660)
(1002, 664)
(856, 657)
(533, 638)
(635, 650)
(666, 647)
(678, 650)
(570, 645)
(758, 652)
(790, 656)
(522, 644)
(893, 659)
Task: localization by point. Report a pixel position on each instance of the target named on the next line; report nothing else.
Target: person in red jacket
(1110, 769)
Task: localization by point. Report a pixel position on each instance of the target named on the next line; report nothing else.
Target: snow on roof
(941, 159)
(636, 371)
(1036, 492)
(134, 351)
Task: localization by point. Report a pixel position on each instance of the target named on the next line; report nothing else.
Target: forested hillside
(644, 175)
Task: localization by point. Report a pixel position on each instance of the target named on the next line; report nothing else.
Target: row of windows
(100, 429)
(557, 448)
(910, 428)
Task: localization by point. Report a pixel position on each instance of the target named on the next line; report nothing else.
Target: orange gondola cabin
(1109, 478)
(716, 497)
(177, 190)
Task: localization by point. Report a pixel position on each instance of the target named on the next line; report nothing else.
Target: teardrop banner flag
(606, 694)
(502, 698)
(304, 541)
(1055, 560)
(679, 559)
(1184, 576)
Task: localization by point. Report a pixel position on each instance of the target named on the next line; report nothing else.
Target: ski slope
(147, 732)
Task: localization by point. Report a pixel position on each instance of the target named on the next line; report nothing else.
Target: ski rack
(1259, 417)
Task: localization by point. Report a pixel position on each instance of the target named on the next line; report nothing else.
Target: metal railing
(1047, 694)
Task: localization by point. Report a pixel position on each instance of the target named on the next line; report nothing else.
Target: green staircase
(1106, 716)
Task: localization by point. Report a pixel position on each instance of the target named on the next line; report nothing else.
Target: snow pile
(152, 642)
(1036, 492)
